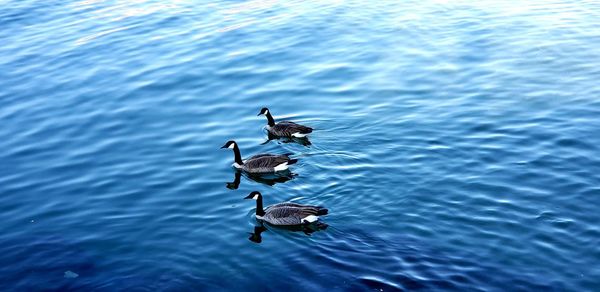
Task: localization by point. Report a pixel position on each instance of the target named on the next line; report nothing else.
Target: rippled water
(456, 144)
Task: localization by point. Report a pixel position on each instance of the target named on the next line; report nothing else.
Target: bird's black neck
(238, 156)
(270, 120)
(259, 206)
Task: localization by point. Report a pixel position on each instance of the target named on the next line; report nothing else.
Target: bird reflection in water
(256, 236)
(308, 229)
(304, 141)
(267, 179)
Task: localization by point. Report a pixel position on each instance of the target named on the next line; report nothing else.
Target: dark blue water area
(456, 144)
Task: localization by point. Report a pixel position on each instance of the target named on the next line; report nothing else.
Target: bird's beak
(223, 147)
(248, 197)
(259, 114)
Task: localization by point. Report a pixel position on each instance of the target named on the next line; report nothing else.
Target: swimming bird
(284, 128)
(286, 214)
(261, 163)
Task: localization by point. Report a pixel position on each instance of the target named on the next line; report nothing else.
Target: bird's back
(287, 129)
(265, 161)
(289, 213)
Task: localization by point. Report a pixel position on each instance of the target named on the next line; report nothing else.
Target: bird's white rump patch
(310, 218)
(299, 135)
(282, 166)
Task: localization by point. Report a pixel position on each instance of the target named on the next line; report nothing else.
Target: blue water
(456, 144)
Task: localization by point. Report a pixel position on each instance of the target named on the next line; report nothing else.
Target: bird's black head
(229, 144)
(263, 111)
(253, 195)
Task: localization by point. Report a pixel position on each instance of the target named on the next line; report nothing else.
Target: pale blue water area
(456, 144)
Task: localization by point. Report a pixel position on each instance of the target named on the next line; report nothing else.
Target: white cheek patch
(231, 146)
(255, 197)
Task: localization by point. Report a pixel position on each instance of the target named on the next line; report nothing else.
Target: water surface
(456, 144)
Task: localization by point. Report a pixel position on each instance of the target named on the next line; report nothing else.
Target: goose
(284, 128)
(287, 213)
(261, 163)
